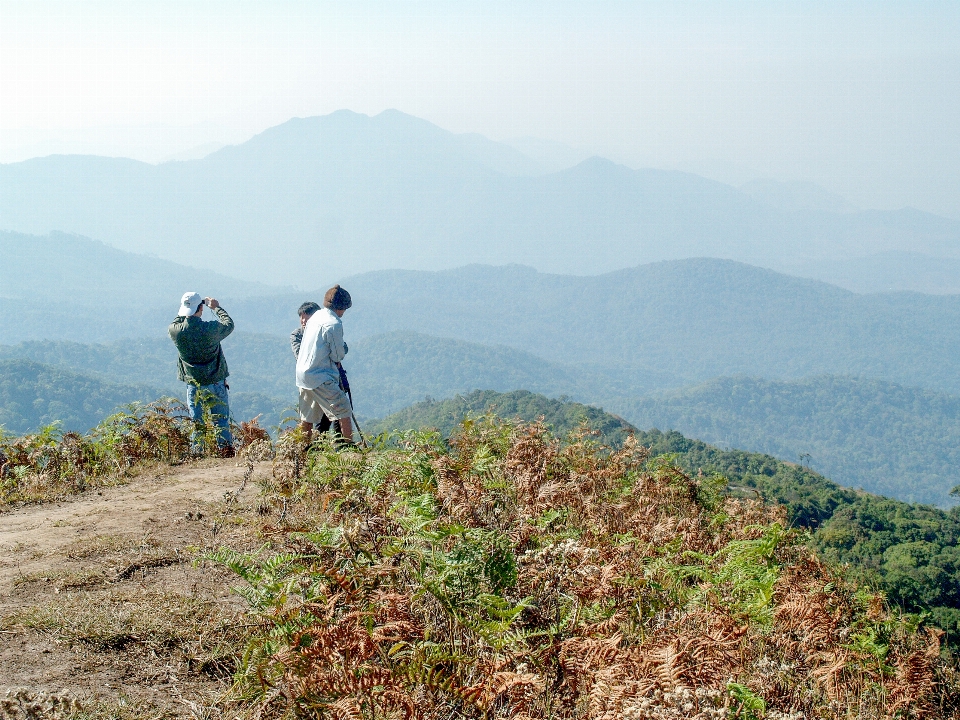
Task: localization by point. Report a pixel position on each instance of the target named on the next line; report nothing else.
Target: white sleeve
(334, 337)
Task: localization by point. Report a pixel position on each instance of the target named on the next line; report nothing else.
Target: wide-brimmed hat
(189, 304)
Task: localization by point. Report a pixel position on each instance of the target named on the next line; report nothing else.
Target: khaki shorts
(328, 399)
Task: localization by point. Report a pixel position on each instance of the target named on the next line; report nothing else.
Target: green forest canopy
(888, 439)
(33, 395)
(877, 435)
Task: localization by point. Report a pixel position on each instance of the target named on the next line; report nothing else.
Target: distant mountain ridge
(61, 286)
(401, 192)
(345, 137)
(675, 323)
(653, 327)
(888, 439)
(795, 196)
(80, 269)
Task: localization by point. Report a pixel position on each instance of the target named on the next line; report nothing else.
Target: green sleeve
(226, 323)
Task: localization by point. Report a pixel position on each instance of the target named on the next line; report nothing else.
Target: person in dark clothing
(203, 366)
(305, 312)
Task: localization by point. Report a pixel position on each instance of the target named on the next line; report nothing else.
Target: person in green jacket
(203, 366)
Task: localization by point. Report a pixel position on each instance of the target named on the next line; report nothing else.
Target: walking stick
(345, 384)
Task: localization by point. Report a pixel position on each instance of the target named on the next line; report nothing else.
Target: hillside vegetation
(509, 574)
(33, 395)
(388, 371)
(561, 416)
(880, 436)
(505, 571)
(908, 550)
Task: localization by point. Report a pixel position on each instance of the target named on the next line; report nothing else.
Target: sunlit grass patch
(62, 579)
(118, 620)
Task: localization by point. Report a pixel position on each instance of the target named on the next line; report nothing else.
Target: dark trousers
(325, 424)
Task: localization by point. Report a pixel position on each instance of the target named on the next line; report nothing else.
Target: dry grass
(154, 639)
(111, 618)
(100, 545)
(22, 704)
(502, 574)
(128, 618)
(63, 579)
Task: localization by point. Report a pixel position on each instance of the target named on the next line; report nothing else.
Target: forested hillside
(562, 416)
(909, 550)
(33, 395)
(260, 381)
(880, 436)
(388, 371)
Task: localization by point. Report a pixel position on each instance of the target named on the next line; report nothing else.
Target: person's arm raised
(226, 322)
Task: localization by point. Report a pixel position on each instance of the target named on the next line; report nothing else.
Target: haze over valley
(653, 316)
(862, 387)
(648, 292)
(400, 192)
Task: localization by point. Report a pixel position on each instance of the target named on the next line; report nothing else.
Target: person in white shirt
(305, 312)
(318, 375)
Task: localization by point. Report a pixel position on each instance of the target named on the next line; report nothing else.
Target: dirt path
(77, 579)
(35, 537)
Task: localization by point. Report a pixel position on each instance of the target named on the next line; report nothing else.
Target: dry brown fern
(510, 574)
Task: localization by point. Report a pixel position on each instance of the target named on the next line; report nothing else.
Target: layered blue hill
(317, 199)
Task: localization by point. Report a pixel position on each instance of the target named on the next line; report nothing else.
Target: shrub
(508, 574)
(50, 464)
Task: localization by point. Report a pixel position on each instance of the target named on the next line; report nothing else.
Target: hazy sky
(863, 98)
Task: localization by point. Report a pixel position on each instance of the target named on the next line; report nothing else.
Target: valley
(771, 381)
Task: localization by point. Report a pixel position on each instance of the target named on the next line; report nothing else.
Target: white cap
(189, 304)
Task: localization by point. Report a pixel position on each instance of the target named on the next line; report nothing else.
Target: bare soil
(104, 600)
